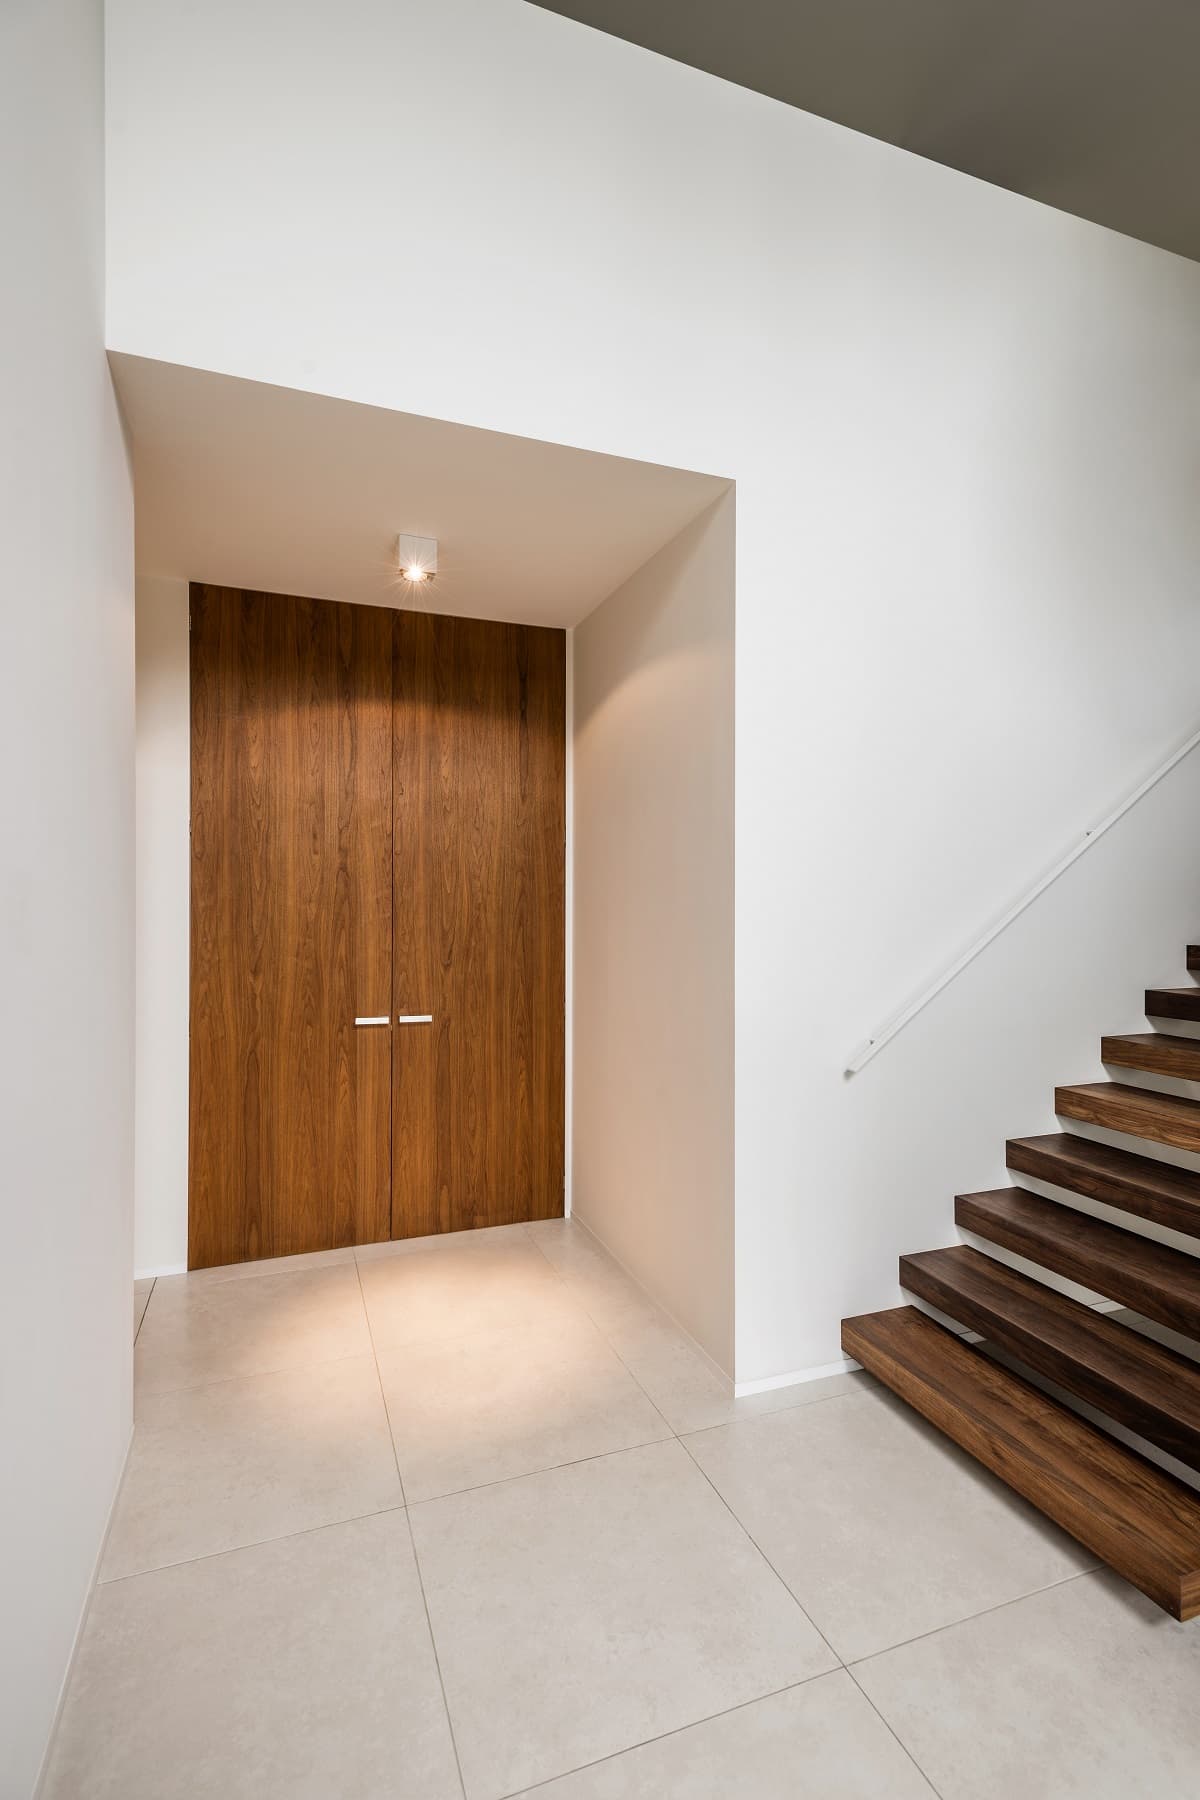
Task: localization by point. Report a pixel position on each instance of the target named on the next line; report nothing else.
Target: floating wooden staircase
(1154, 1052)
(1134, 1184)
(1159, 1117)
(1140, 1519)
(1174, 1003)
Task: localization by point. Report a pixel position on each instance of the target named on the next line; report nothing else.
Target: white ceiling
(268, 488)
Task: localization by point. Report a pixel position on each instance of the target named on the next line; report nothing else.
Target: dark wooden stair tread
(1152, 1390)
(1141, 1521)
(1153, 1279)
(1156, 1051)
(1136, 1111)
(1120, 1178)
(1173, 1003)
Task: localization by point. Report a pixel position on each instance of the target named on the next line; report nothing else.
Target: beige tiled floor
(141, 1296)
(194, 1332)
(470, 1517)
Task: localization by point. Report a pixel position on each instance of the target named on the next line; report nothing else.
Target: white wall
(160, 1222)
(66, 870)
(963, 430)
(653, 927)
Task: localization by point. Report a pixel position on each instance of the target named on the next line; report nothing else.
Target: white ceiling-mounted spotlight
(417, 557)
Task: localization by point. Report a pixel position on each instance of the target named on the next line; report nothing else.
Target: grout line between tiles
(767, 1413)
(890, 1728)
(681, 1431)
(142, 1315)
(651, 1300)
(437, 1661)
(382, 1394)
(281, 1537)
(634, 1377)
(950, 1624)
(195, 1387)
(576, 1301)
(374, 1351)
(969, 1618)
(89, 1601)
(684, 1431)
(389, 1250)
(574, 1289)
(573, 1462)
(764, 1417)
(412, 1540)
(264, 1268)
(677, 1436)
(779, 1578)
(660, 1737)
(1000, 1606)
(842, 1664)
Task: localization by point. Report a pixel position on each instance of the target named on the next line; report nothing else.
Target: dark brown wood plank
(291, 925)
(423, 1164)
(1173, 1003)
(1136, 1184)
(1193, 959)
(1136, 1111)
(1152, 1390)
(480, 828)
(1156, 1051)
(1142, 1522)
(1153, 1279)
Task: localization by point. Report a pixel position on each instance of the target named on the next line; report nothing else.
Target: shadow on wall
(653, 924)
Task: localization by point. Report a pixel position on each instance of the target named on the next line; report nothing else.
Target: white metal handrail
(871, 1046)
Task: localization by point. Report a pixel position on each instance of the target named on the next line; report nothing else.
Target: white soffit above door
(247, 485)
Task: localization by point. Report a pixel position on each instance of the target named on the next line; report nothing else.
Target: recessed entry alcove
(290, 496)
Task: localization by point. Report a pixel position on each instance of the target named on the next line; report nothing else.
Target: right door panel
(479, 799)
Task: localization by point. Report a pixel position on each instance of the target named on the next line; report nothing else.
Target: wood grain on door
(378, 833)
(479, 788)
(291, 925)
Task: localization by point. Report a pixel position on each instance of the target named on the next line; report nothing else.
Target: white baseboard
(153, 1274)
(83, 1616)
(844, 1365)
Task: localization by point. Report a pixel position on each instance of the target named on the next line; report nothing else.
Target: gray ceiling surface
(1089, 105)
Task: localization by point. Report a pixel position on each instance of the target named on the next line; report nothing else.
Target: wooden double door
(377, 924)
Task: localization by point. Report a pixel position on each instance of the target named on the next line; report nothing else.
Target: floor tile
(581, 1611)
(269, 1265)
(569, 1245)
(441, 1240)
(676, 1375)
(215, 1467)
(611, 1297)
(435, 1295)
(880, 1526)
(141, 1294)
(822, 1741)
(297, 1670)
(687, 1389)
(1087, 1690)
(498, 1404)
(196, 1333)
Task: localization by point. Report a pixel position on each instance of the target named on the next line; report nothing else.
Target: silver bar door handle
(373, 1019)
(414, 1018)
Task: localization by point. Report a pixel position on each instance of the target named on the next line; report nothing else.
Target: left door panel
(291, 925)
